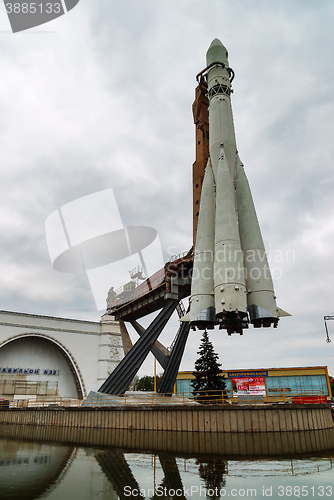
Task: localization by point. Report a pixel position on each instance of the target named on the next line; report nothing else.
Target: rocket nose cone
(217, 53)
(215, 41)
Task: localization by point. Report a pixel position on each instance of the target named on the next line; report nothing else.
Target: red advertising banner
(249, 385)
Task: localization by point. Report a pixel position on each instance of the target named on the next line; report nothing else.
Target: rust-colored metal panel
(201, 120)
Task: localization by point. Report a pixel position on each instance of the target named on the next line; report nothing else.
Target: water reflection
(213, 474)
(114, 465)
(28, 469)
(37, 469)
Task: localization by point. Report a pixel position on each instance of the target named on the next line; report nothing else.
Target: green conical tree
(209, 386)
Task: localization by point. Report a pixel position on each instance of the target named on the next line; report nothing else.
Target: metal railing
(154, 399)
(33, 402)
(178, 256)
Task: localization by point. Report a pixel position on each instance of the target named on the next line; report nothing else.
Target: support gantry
(166, 290)
(120, 379)
(157, 348)
(172, 283)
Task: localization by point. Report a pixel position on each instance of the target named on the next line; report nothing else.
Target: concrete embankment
(229, 445)
(217, 419)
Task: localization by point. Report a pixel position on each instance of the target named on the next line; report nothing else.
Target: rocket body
(236, 287)
(221, 126)
(229, 276)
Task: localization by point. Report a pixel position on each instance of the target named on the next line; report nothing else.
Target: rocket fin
(261, 303)
(282, 313)
(186, 317)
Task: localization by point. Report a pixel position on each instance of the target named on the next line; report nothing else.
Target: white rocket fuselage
(202, 307)
(241, 278)
(221, 126)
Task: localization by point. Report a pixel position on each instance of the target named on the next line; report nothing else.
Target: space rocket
(231, 280)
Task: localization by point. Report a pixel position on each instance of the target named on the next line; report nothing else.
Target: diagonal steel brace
(157, 353)
(170, 374)
(120, 379)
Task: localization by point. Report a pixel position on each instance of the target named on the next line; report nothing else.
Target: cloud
(105, 102)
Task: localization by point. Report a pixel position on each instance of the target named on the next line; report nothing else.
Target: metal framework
(170, 373)
(120, 379)
(326, 318)
(157, 350)
(167, 287)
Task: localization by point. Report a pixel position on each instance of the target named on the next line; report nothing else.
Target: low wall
(186, 444)
(226, 419)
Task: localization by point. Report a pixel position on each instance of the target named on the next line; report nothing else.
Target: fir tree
(209, 386)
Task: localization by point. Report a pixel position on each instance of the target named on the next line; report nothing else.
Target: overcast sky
(101, 98)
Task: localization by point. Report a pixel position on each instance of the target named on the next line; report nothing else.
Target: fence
(154, 399)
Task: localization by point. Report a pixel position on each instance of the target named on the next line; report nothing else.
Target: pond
(35, 468)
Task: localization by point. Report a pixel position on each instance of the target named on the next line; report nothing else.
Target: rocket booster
(231, 282)
(202, 307)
